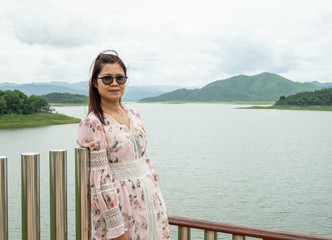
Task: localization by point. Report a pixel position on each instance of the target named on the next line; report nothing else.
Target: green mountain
(261, 87)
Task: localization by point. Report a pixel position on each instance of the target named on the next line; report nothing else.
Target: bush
(17, 102)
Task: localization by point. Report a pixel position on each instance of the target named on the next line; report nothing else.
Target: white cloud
(188, 43)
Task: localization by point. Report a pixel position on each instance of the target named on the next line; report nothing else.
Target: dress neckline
(109, 116)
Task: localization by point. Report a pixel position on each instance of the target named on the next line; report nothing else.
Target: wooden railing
(238, 232)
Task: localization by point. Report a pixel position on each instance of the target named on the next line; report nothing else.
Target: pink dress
(125, 194)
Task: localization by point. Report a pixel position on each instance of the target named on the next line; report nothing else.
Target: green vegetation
(319, 100)
(34, 120)
(17, 111)
(261, 87)
(319, 97)
(65, 98)
(18, 103)
(288, 107)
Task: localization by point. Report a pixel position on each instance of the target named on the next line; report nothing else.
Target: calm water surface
(263, 168)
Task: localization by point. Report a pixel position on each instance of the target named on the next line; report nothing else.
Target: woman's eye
(107, 78)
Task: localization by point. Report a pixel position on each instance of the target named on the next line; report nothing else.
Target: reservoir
(261, 168)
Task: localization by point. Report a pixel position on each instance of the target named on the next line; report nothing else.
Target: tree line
(319, 97)
(15, 101)
(56, 97)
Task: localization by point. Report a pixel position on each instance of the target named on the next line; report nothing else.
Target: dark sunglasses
(108, 80)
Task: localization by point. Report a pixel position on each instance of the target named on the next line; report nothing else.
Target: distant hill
(47, 87)
(132, 93)
(322, 85)
(261, 87)
(135, 93)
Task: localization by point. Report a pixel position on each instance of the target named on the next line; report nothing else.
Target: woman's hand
(156, 176)
(122, 237)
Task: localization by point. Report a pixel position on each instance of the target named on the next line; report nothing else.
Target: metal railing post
(3, 198)
(82, 194)
(184, 233)
(210, 235)
(30, 168)
(58, 194)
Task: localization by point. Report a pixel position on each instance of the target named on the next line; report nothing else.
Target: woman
(126, 202)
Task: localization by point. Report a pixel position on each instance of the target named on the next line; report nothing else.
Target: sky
(186, 43)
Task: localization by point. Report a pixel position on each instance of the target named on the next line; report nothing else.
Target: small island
(58, 99)
(319, 100)
(19, 111)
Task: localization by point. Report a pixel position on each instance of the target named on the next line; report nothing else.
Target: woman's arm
(105, 211)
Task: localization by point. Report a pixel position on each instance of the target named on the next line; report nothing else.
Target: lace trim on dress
(103, 188)
(138, 169)
(98, 160)
(113, 218)
(137, 146)
(129, 170)
(153, 233)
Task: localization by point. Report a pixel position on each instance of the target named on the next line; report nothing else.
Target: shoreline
(175, 102)
(257, 105)
(67, 104)
(213, 102)
(290, 107)
(11, 121)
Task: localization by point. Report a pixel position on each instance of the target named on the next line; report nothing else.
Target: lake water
(262, 168)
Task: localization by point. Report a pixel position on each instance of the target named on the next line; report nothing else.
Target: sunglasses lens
(121, 80)
(107, 80)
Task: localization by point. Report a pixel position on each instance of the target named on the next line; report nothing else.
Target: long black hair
(107, 56)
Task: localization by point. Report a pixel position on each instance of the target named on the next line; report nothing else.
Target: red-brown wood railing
(238, 232)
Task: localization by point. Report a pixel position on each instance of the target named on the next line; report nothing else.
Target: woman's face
(114, 91)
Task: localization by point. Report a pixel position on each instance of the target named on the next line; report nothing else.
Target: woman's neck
(111, 107)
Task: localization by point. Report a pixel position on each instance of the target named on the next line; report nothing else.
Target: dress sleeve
(105, 210)
(155, 175)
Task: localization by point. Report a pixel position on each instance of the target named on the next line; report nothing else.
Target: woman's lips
(114, 91)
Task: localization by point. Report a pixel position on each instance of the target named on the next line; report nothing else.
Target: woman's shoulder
(134, 112)
(90, 119)
(91, 133)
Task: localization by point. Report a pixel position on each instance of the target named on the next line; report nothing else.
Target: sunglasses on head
(108, 80)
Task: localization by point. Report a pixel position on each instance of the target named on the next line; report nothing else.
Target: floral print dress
(125, 194)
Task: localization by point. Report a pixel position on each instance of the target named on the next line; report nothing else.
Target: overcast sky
(170, 42)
